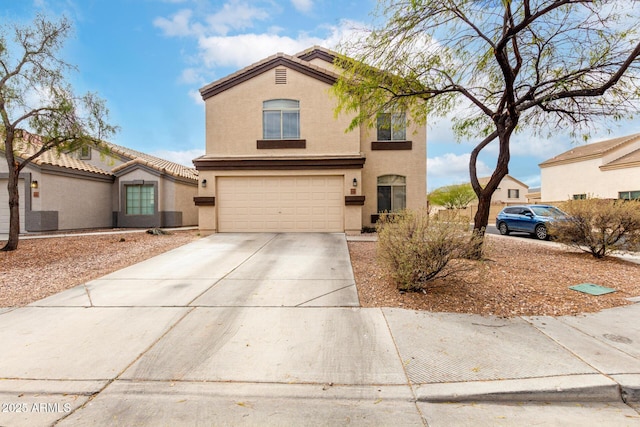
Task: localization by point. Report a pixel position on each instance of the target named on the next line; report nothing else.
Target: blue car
(531, 219)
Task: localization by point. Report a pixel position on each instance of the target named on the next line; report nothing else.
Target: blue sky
(148, 58)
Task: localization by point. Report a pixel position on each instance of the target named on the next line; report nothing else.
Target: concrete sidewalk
(266, 329)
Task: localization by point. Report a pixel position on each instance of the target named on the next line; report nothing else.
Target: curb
(574, 388)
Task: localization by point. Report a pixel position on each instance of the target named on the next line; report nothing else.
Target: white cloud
(191, 76)
(454, 166)
(302, 5)
(244, 49)
(235, 15)
(179, 24)
(196, 97)
(182, 157)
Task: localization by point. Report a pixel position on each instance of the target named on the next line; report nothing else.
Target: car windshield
(547, 211)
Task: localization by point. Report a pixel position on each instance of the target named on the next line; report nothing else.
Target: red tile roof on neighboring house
(25, 149)
(591, 151)
(161, 165)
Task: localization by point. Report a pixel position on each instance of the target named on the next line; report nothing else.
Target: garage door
(292, 204)
(4, 206)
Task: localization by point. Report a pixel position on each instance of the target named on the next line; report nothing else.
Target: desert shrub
(417, 248)
(600, 226)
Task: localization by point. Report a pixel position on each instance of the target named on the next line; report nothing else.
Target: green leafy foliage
(452, 196)
(600, 226)
(494, 68)
(418, 248)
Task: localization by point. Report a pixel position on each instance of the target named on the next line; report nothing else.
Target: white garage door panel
(4, 206)
(304, 204)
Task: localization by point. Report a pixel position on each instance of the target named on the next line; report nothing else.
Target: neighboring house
(534, 195)
(607, 169)
(509, 191)
(278, 158)
(89, 189)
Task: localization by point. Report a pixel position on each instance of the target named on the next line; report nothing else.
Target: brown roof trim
(204, 164)
(262, 67)
(317, 54)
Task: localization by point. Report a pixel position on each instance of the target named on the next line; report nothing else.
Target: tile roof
(594, 150)
(64, 160)
(628, 159)
(161, 165)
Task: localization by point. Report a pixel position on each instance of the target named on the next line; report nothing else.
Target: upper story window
(392, 127)
(513, 194)
(281, 119)
(85, 152)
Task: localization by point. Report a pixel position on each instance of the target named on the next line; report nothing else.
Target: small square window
(513, 194)
(85, 152)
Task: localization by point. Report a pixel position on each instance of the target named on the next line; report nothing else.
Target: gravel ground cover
(519, 276)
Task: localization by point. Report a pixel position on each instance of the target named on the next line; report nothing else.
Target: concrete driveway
(266, 329)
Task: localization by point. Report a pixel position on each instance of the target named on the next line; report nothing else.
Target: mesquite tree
(501, 66)
(38, 109)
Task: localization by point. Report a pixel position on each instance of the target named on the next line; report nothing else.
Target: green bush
(417, 248)
(600, 226)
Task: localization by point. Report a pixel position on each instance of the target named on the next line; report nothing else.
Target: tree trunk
(14, 212)
(12, 189)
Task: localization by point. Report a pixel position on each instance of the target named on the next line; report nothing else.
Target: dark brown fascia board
(281, 143)
(354, 200)
(279, 164)
(279, 61)
(204, 201)
(317, 54)
(388, 145)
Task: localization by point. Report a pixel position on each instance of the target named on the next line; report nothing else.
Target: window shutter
(281, 76)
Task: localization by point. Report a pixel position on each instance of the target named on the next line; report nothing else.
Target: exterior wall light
(355, 182)
(204, 183)
(34, 184)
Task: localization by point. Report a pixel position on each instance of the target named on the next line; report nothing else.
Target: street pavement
(266, 329)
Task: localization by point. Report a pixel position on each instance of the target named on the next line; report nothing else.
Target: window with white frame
(392, 193)
(281, 119)
(391, 127)
(140, 199)
(581, 196)
(629, 195)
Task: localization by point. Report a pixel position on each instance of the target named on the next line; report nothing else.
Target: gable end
(209, 91)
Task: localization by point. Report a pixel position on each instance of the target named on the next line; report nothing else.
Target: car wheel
(504, 230)
(541, 232)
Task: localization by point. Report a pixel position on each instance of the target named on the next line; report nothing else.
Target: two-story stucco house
(278, 158)
(608, 169)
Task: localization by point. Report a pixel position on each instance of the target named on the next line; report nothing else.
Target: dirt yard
(519, 277)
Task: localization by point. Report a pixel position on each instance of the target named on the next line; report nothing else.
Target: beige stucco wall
(234, 118)
(80, 202)
(561, 182)
(409, 163)
(183, 202)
